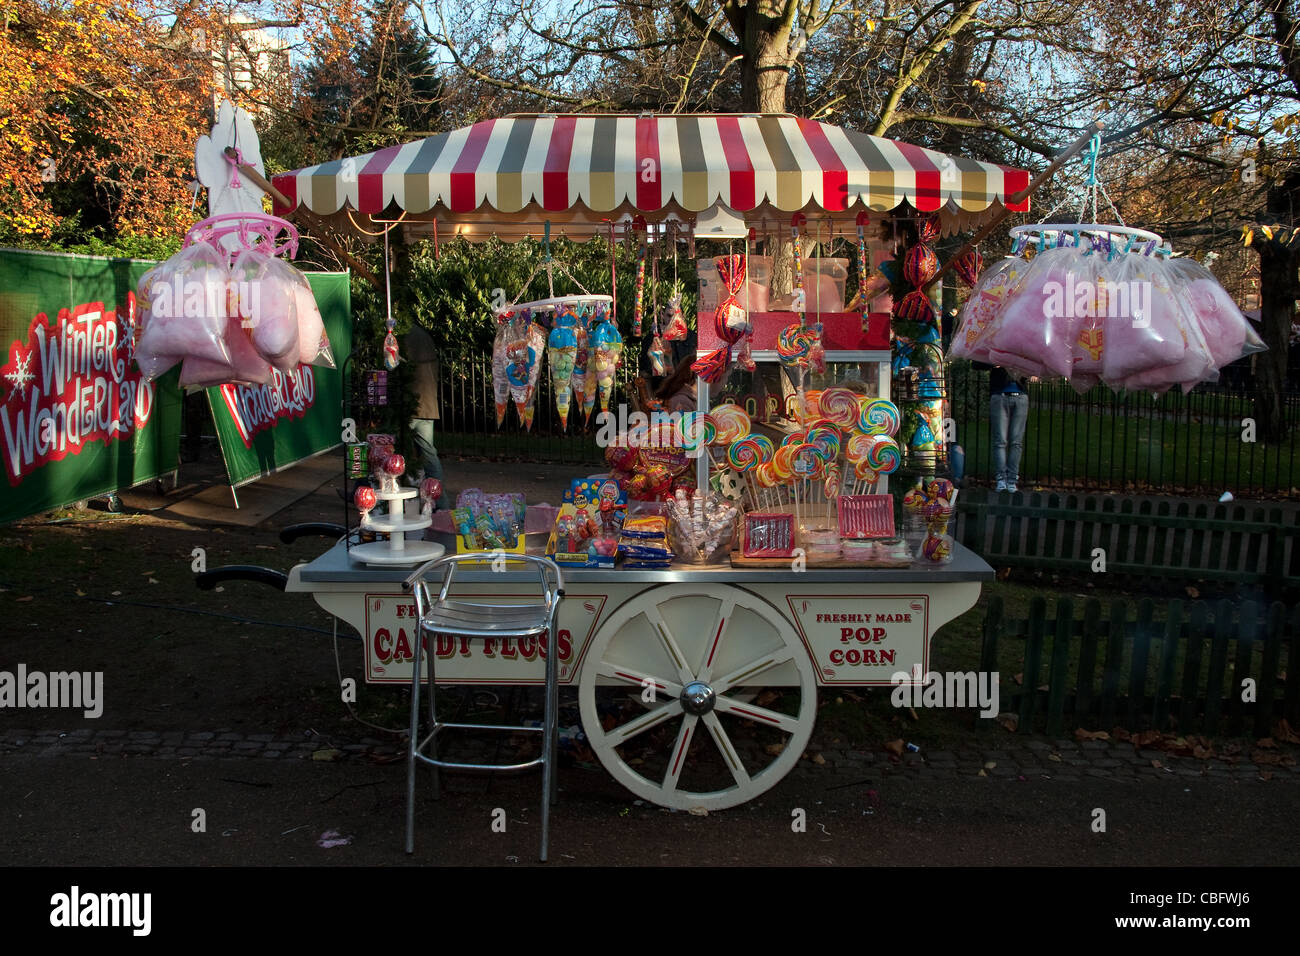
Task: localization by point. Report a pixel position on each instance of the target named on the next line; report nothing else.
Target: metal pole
(1062, 158)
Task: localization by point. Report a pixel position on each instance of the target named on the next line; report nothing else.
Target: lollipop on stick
(430, 492)
(365, 499)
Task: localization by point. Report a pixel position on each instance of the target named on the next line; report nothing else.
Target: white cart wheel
(733, 704)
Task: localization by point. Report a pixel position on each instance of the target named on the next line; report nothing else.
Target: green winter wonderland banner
(77, 420)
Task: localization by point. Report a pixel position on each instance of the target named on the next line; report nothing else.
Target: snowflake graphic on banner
(21, 376)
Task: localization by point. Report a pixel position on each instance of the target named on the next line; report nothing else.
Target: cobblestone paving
(1031, 758)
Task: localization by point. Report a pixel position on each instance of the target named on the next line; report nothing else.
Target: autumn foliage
(99, 107)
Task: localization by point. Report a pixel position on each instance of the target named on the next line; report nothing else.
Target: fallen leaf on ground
(1010, 721)
(1082, 734)
(1192, 592)
(1202, 753)
(698, 812)
(1055, 758)
(327, 755)
(1266, 775)
(1122, 735)
(1157, 764)
(818, 759)
(983, 773)
(1268, 743)
(990, 764)
(774, 749)
(22, 599)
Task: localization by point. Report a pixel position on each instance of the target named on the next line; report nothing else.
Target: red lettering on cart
(894, 618)
(403, 651)
(489, 647)
(527, 647)
(508, 649)
(868, 656)
(383, 645)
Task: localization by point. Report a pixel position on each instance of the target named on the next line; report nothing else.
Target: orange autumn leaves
(101, 102)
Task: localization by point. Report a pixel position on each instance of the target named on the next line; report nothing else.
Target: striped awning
(587, 169)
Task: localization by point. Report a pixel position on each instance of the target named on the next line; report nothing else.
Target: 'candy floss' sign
(256, 408)
(70, 384)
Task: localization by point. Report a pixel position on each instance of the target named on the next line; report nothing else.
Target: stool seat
(479, 620)
(466, 619)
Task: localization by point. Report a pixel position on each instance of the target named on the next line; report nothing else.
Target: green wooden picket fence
(1183, 670)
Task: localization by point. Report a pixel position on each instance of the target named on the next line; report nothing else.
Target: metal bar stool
(462, 618)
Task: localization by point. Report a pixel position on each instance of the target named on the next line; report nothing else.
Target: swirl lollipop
(430, 492)
(863, 473)
(808, 461)
(883, 454)
(732, 423)
(710, 429)
(857, 448)
(812, 404)
(840, 406)
(748, 453)
(879, 416)
(783, 462)
(365, 499)
(793, 345)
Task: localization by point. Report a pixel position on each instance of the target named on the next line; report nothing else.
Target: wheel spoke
(651, 718)
(719, 626)
(675, 656)
(745, 673)
(664, 688)
(761, 715)
(728, 752)
(678, 758)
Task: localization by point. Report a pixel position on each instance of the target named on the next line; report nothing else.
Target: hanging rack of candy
(724, 563)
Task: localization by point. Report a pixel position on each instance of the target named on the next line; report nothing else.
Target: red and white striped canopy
(583, 170)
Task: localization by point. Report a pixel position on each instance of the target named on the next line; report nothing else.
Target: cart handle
(209, 579)
(324, 529)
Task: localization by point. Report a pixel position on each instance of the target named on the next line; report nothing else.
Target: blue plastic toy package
(587, 527)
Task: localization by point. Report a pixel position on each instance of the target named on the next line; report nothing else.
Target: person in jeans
(1008, 412)
(422, 353)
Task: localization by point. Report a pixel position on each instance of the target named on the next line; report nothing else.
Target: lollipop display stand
(396, 550)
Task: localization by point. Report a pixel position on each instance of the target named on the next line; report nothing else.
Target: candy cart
(697, 683)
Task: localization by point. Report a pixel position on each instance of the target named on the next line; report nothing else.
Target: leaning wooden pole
(257, 179)
(1061, 159)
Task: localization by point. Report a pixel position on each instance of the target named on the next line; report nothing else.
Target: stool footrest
(449, 765)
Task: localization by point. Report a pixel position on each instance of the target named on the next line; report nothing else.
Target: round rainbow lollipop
(793, 345)
(731, 422)
(879, 416)
(883, 454)
(840, 406)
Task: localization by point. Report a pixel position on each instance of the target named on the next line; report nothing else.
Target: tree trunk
(1277, 295)
(763, 77)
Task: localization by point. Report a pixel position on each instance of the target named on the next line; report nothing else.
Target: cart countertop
(334, 567)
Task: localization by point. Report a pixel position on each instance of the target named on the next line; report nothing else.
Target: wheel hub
(698, 698)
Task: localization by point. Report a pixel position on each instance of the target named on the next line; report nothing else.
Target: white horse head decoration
(228, 191)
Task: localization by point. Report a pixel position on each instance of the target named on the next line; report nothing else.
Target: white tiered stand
(396, 550)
